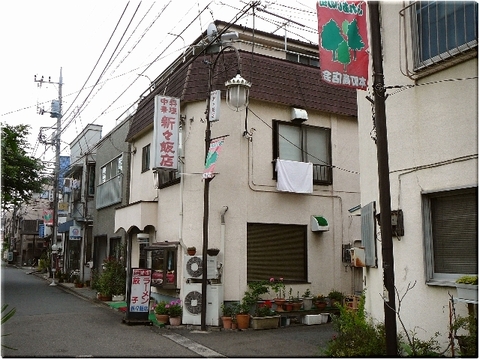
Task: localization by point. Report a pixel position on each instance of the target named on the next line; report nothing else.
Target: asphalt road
(51, 322)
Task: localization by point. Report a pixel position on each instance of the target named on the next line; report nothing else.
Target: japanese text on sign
(140, 290)
(166, 118)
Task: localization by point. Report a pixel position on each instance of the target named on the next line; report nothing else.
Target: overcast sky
(40, 37)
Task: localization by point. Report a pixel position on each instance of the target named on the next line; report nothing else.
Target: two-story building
(293, 223)
(430, 65)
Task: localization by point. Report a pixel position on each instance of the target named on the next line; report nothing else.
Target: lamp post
(237, 99)
(54, 263)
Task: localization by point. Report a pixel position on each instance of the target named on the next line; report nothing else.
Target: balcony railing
(109, 193)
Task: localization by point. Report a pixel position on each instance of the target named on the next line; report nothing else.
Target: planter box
(265, 322)
(467, 292)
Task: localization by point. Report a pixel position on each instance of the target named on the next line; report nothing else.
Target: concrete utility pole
(55, 112)
(383, 182)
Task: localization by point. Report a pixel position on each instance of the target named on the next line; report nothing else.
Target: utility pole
(383, 182)
(56, 112)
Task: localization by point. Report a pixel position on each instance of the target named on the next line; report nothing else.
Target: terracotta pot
(162, 318)
(243, 321)
(288, 306)
(279, 302)
(227, 322)
(102, 297)
(321, 305)
(191, 252)
(175, 320)
(234, 325)
(296, 305)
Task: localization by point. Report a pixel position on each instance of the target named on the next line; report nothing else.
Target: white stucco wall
(432, 132)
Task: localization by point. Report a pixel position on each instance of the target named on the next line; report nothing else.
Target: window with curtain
(277, 250)
(450, 233)
(442, 29)
(305, 143)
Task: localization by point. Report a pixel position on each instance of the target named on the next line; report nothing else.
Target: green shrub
(356, 335)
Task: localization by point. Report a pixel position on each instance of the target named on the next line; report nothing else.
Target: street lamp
(237, 99)
(54, 263)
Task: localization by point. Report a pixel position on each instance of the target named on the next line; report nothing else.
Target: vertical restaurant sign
(48, 217)
(214, 109)
(139, 300)
(343, 42)
(212, 156)
(165, 125)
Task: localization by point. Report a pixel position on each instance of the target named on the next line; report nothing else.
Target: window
(304, 143)
(277, 250)
(111, 169)
(146, 158)
(162, 259)
(303, 59)
(443, 29)
(450, 233)
(91, 180)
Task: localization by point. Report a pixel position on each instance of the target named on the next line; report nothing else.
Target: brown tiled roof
(273, 80)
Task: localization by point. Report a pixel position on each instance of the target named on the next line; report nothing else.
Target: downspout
(182, 186)
(222, 242)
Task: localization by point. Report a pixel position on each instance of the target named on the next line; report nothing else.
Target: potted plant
(191, 250)
(307, 300)
(174, 310)
(227, 311)
(213, 251)
(279, 288)
(296, 302)
(320, 302)
(112, 281)
(336, 297)
(467, 287)
(243, 316)
(161, 312)
(265, 318)
(78, 283)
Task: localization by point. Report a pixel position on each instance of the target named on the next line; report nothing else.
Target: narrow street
(51, 322)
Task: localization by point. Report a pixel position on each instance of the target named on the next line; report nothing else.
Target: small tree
(20, 173)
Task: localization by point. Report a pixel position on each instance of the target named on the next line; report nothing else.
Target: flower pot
(162, 318)
(79, 285)
(288, 306)
(296, 305)
(234, 325)
(191, 251)
(279, 302)
(227, 322)
(265, 322)
(118, 297)
(175, 320)
(243, 321)
(213, 251)
(307, 303)
(102, 297)
(320, 305)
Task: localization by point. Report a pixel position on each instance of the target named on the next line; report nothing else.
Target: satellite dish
(211, 32)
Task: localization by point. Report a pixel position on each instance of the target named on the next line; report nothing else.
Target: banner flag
(48, 217)
(212, 156)
(343, 42)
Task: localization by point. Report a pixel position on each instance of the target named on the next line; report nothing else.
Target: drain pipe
(222, 235)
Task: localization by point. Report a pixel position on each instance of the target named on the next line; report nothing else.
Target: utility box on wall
(357, 256)
(318, 223)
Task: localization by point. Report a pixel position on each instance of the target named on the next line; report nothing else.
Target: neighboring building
(430, 67)
(111, 183)
(78, 193)
(261, 232)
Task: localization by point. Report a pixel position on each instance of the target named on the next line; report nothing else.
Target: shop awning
(65, 227)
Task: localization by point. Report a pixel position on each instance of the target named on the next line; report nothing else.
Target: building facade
(430, 70)
(260, 230)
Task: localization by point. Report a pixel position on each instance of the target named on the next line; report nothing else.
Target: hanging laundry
(294, 176)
